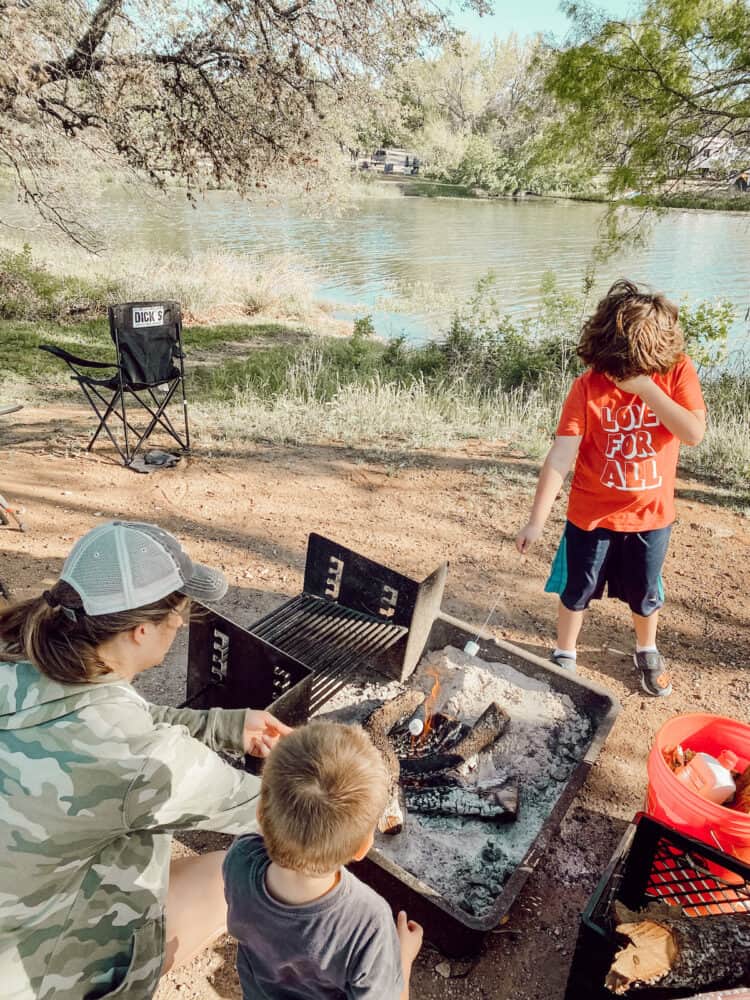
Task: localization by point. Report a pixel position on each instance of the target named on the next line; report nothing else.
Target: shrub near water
(493, 376)
(29, 291)
(212, 286)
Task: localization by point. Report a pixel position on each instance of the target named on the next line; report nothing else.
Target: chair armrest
(71, 359)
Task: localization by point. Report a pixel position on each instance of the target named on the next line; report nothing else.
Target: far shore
(698, 198)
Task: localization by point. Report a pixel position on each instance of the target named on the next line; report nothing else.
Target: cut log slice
(667, 948)
(646, 959)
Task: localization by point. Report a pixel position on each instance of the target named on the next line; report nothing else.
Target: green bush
(29, 291)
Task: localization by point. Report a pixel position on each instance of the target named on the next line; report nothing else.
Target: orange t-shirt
(627, 462)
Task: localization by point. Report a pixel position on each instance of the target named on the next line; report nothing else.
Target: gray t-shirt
(343, 946)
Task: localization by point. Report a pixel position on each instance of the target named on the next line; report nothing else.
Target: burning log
(378, 725)
(490, 725)
(497, 800)
(671, 950)
(424, 790)
(387, 715)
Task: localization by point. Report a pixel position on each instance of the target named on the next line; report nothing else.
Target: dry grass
(378, 414)
(213, 286)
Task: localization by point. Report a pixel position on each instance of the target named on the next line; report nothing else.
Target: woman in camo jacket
(94, 779)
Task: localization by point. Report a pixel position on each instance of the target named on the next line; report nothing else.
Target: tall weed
(211, 285)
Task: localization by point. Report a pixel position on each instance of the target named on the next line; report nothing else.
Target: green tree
(651, 99)
(226, 91)
(474, 113)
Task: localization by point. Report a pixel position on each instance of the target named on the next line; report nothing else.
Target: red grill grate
(686, 880)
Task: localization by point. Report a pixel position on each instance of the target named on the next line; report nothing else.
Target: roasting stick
(472, 646)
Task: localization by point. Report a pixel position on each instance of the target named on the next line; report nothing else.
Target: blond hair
(323, 789)
(632, 332)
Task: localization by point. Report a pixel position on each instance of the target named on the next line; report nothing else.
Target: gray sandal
(655, 679)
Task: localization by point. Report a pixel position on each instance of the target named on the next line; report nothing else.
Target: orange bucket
(677, 805)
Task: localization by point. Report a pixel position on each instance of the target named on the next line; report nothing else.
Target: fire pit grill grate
(352, 611)
(331, 639)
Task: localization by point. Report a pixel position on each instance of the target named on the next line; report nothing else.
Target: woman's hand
(262, 732)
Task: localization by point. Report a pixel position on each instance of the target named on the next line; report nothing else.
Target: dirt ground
(250, 512)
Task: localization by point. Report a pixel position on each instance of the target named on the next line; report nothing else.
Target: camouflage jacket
(93, 780)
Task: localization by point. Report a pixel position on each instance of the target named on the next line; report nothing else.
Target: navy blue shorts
(629, 564)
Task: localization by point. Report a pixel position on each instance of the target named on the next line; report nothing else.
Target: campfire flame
(429, 705)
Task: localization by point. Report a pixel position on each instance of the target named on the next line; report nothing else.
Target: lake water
(405, 260)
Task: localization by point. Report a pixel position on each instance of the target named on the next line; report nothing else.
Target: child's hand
(526, 537)
(410, 936)
(262, 732)
(634, 384)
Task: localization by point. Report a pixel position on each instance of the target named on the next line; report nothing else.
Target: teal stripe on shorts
(558, 574)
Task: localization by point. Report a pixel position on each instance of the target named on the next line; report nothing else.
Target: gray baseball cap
(127, 564)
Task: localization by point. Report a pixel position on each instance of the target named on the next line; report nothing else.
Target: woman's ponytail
(54, 632)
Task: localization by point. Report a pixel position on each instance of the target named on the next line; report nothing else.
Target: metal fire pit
(354, 613)
(453, 930)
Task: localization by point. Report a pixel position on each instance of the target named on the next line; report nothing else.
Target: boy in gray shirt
(307, 928)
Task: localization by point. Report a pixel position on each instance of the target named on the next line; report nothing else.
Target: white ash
(357, 699)
(468, 860)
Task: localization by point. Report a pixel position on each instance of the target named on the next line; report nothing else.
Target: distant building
(717, 157)
(391, 160)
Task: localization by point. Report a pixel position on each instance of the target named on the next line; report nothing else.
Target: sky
(527, 17)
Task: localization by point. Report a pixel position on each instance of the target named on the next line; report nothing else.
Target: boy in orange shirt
(622, 424)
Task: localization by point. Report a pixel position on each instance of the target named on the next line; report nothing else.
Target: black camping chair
(148, 340)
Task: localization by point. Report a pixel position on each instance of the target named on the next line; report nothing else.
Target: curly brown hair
(632, 332)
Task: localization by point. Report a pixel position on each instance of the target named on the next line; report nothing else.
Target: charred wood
(387, 715)
(378, 725)
(496, 801)
(490, 725)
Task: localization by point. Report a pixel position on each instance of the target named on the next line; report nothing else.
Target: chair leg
(185, 413)
(117, 406)
(159, 415)
(129, 457)
(103, 417)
